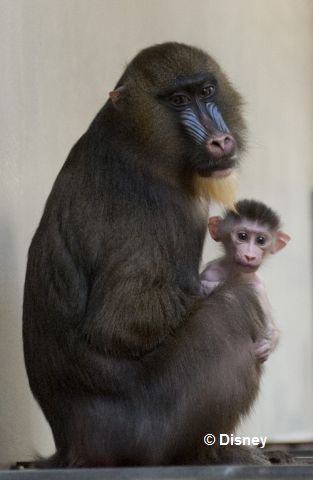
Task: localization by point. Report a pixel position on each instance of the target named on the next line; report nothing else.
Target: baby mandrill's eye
(260, 240)
(242, 236)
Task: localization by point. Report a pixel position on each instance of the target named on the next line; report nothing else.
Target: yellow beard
(221, 190)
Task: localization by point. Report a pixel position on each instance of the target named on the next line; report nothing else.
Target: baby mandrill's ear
(214, 224)
(281, 240)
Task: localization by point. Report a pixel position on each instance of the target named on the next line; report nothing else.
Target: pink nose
(250, 259)
(221, 146)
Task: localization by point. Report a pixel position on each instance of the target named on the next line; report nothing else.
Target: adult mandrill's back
(129, 363)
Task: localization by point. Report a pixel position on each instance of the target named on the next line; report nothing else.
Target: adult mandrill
(129, 363)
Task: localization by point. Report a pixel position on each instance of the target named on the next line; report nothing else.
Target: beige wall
(59, 59)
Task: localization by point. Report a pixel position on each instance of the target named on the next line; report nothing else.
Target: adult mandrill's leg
(201, 380)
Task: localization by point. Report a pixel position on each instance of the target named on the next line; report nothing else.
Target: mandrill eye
(207, 91)
(242, 236)
(179, 100)
(260, 240)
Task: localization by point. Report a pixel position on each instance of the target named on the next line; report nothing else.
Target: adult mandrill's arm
(144, 284)
(133, 315)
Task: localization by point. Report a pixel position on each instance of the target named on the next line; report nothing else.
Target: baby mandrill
(248, 235)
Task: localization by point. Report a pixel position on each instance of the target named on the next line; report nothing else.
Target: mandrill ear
(281, 240)
(214, 224)
(117, 95)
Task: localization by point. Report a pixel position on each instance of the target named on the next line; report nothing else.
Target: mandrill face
(187, 110)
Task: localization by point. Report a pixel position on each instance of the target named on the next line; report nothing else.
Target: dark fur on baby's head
(256, 212)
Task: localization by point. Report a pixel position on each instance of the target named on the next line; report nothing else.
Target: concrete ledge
(300, 472)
